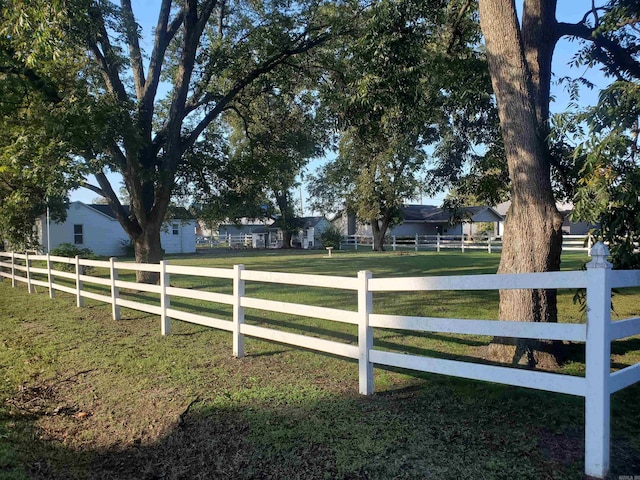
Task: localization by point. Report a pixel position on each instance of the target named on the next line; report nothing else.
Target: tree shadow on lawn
(387, 339)
(622, 347)
(435, 427)
(348, 263)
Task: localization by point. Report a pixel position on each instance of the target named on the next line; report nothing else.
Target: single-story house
(427, 220)
(565, 209)
(268, 234)
(95, 227)
(243, 227)
(310, 230)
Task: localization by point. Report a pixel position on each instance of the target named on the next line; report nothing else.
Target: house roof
(307, 222)
(178, 213)
(300, 222)
(421, 213)
(564, 208)
(433, 214)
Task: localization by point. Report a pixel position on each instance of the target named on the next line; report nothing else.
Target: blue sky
(567, 11)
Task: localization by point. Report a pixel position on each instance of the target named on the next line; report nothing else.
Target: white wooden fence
(460, 242)
(598, 332)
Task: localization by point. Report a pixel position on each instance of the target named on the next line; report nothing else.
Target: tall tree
(519, 59)
(279, 131)
(403, 81)
(207, 52)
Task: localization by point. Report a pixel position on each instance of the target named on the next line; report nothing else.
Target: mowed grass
(84, 396)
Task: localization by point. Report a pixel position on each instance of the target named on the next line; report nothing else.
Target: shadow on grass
(622, 347)
(303, 327)
(439, 428)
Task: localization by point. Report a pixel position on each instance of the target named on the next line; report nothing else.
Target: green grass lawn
(84, 396)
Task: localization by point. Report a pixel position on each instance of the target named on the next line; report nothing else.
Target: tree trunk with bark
(378, 231)
(146, 148)
(519, 64)
(287, 217)
(286, 238)
(148, 250)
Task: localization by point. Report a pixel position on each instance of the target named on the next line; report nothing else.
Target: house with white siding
(95, 227)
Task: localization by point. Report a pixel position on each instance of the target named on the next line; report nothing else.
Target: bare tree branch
(105, 57)
(128, 222)
(164, 34)
(117, 155)
(135, 55)
(93, 188)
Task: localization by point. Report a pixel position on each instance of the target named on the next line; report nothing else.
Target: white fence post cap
(599, 253)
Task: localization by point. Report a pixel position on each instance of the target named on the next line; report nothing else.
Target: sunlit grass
(181, 406)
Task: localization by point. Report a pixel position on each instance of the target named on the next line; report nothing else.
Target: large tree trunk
(148, 250)
(533, 237)
(379, 230)
(287, 217)
(286, 238)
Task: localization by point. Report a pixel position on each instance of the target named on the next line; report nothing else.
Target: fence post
(52, 292)
(27, 262)
(598, 363)
(394, 243)
(438, 242)
(238, 311)
(355, 242)
(13, 270)
(365, 333)
(489, 243)
(165, 300)
(589, 243)
(462, 242)
(115, 291)
(79, 298)
(416, 242)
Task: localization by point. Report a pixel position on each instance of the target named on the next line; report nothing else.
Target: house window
(175, 229)
(77, 235)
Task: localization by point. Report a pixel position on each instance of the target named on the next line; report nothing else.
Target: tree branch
(245, 122)
(164, 34)
(128, 222)
(118, 157)
(623, 61)
(250, 77)
(135, 55)
(455, 34)
(190, 42)
(93, 188)
(105, 58)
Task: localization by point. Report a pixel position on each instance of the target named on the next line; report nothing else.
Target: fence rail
(598, 332)
(460, 242)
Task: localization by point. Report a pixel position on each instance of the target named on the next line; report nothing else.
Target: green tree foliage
(407, 79)
(279, 132)
(205, 53)
(331, 237)
(609, 188)
(520, 61)
(607, 191)
(40, 119)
